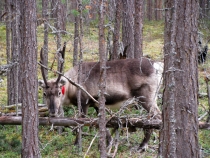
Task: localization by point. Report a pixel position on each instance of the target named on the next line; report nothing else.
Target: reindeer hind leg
(144, 144)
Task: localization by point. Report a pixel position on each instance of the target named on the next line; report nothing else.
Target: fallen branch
(115, 122)
(202, 95)
(19, 105)
(43, 111)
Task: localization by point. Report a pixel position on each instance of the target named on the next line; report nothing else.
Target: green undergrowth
(61, 145)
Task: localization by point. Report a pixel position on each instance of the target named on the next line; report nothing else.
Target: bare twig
(115, 143)
(117, 137)
(202, 116)
(91, 143)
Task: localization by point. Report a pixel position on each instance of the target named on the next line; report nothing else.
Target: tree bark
(102, 82)
(179, 134)
(203, 6)
(76, 34)
(127, 28)
(53, 5)
(15, 51)
(8, 49)
(157, 9)
(79, 104)
(2, 10)
(116, 35)
(58, 30)
(29, 84)
(149, 9)
(45, 4)
(138, 28)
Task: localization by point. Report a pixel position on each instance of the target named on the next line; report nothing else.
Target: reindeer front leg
(60, 112)
(84, 111)
(144, 144)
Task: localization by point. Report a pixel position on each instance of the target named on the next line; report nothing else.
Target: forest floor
(53, 145)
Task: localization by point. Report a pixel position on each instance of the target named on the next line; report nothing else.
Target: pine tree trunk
(138, 29)
(158, 12)
(116, 35)
(79, 104)
(76, 35)
(29, 84)
(149, 9)
(58, 29)
(8, 49)
(127, 28)
(45, 4)
(179, 133)
(13, 51)
(102, 84)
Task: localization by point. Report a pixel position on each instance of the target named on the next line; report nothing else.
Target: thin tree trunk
(76, 35)
(13, 51)
(157, 9)
(102, 84)
(116, 36)
(80, 72)
(16, 53)
(127, 28)
(138, 29)
(45, 4)
(149, 9)
(179, 133)
(58, 31)
(8, 49)
(54, 4)
(29, 84)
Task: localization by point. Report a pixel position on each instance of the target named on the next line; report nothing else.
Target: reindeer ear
(41, 83)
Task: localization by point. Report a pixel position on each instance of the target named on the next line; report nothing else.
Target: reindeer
(126, 78)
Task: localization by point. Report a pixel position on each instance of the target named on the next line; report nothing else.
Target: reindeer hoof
(143, 147)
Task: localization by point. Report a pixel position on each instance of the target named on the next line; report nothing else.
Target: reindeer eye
(59, 94)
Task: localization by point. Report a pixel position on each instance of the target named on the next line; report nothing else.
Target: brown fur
(125, 79)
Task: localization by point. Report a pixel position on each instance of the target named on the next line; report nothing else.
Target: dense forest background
(76, 22)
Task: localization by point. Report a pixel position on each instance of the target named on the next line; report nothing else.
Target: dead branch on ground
(115, 122)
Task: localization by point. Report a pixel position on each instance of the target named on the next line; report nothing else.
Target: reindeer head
(53, 89)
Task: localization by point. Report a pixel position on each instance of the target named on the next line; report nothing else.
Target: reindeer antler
(61, 67)
(42, 69)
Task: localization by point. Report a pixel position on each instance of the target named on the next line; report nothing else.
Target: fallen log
(114, 122)
(13, 106)
(64, 121)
